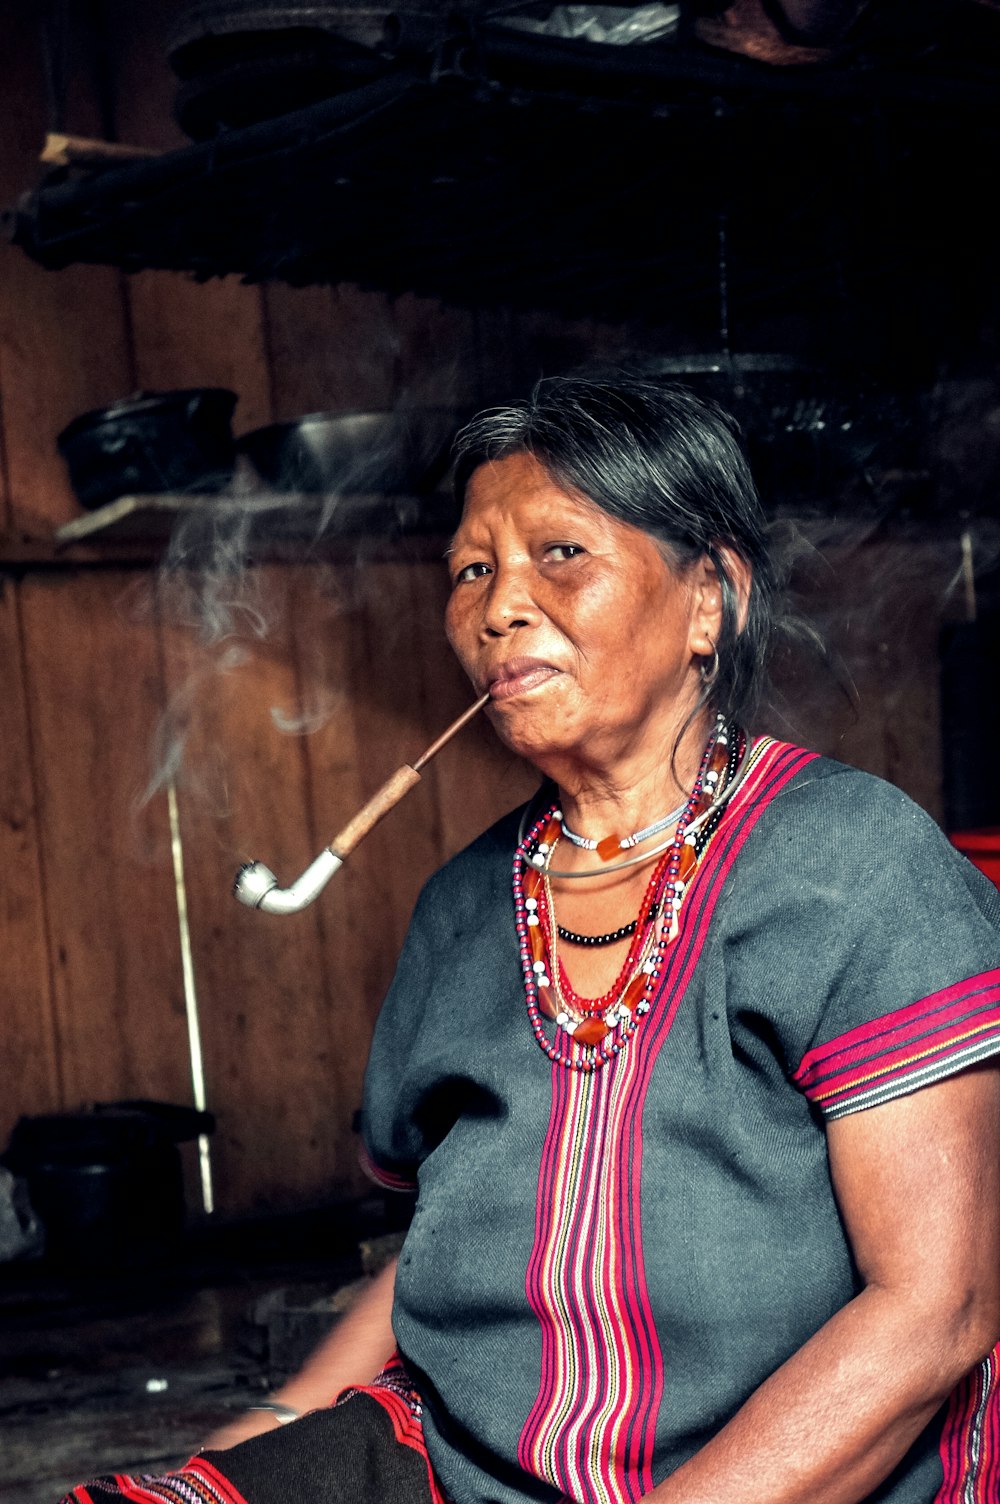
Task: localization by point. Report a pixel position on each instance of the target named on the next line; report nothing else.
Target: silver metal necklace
(714, 808)
(625, 843)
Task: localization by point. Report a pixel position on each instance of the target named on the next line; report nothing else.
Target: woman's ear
(740, 574)
(706, 621)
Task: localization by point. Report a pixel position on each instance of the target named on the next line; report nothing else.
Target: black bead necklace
(572, 938)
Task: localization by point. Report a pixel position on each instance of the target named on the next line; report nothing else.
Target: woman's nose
(510, 603)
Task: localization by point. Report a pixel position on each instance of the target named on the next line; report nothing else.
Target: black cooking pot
(363, 453)
(106, 1182)
(152, 442)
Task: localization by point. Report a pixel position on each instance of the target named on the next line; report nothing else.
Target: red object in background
(981, 847)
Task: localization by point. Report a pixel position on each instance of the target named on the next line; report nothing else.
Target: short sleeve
(913, 994)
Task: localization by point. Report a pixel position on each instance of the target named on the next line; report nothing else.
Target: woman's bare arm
(918, 1183)
(353, 1353)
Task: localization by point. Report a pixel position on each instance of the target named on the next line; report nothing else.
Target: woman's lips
(518, 678)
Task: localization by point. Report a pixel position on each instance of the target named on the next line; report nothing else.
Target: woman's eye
(470, 572)
(563, 550)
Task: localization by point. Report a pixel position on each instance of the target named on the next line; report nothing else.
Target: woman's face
(584, 636)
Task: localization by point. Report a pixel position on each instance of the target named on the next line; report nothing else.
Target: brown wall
(91, 657)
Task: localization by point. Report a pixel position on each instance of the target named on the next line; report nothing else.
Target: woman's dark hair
(654, 455)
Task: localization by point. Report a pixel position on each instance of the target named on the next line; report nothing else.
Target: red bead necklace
(637, 950)
(596, 1029)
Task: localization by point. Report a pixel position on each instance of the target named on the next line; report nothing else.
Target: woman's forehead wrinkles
(459, 538)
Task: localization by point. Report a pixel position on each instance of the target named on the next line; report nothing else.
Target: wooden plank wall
(94, 661)
(102, 668)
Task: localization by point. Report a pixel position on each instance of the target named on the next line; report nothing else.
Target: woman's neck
(635, 789)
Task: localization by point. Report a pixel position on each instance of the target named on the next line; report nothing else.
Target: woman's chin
(527, 733)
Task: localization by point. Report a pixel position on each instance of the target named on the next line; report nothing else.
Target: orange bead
(547, 1003)
(591, 1031)
(609, 848)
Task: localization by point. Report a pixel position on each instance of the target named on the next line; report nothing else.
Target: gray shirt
(602, 1268)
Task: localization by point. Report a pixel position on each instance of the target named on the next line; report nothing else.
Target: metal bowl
(357, 453)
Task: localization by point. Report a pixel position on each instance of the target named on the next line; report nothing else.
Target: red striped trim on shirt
(393, 1390)
(591, 1430)
(901, 1051)
(198, 1482)
(970, 1441)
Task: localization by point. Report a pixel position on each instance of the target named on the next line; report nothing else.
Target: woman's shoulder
(833, 816)
(496, 842)
(838, 792)
(481, 870)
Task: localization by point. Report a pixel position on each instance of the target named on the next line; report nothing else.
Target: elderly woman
(689, 1063)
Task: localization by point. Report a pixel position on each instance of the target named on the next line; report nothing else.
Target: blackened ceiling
(674, 183)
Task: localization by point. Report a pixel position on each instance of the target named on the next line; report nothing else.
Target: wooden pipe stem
(452, 730)
(378, 806)
(394, 788)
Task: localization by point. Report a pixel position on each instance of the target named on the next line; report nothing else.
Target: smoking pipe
(256, 885)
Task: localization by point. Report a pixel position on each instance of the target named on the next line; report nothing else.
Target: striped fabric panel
(906, 1049)
(600, 1364)
(591, 1431)
(970, 1440)
(198, 1482)
(393, 1390)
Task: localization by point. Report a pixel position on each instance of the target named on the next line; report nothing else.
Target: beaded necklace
(609, 846)
(597, 1029)
(572, 937)
(570, 1001)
